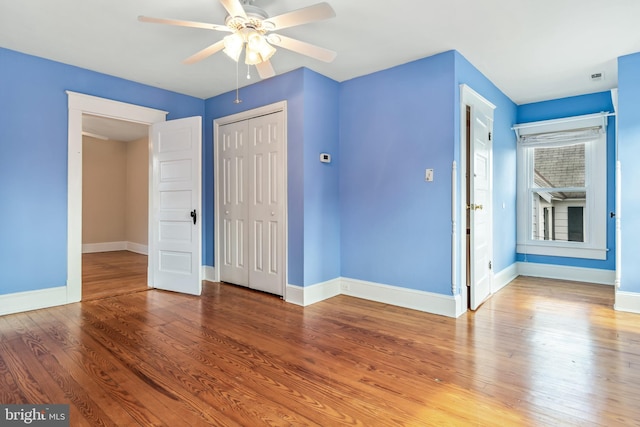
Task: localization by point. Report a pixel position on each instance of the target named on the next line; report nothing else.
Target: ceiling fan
(252, 29)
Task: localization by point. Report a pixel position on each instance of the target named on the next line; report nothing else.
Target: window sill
(562, 250)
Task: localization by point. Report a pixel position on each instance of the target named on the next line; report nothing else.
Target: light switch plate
(428, 175)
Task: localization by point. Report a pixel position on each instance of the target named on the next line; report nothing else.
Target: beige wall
(114, 191)
(137, 196)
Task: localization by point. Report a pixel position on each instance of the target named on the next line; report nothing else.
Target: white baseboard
(209, 273)
(429, 302)
(32, 300)
(504, 277)
(445, 305)
(563, 272)
(627, 301)
(312, 294)
(138, 248)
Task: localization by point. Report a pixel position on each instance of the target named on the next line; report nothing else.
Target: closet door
(233, 211)
(267, 203)
(252, 212)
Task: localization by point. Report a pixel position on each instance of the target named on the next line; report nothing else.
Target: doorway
(115, 189)
(476, 189)
(80, 106)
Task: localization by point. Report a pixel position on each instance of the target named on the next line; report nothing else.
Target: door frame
(469, 97)
(80, 104)
(247, 115)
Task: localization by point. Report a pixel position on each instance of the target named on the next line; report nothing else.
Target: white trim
(80, 104)
(295, 295)
(308, 295)
(137, 248)
(562, 124)
(89, 248)
(504, 277)
(561, 249)
(209, 273)
(32, 300)
(563, 272)
(429, 302)
(627, 301)
(246, 115)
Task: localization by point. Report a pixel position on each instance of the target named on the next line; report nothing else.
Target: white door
(233, 211)
(252, 211)
(480, 207)
(176, 206)
(267, 208)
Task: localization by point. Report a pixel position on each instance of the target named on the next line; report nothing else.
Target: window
(562, 187)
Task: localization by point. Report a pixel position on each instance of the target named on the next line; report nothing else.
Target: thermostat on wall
(325, 157)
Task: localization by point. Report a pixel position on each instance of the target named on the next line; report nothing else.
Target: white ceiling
(532, 50)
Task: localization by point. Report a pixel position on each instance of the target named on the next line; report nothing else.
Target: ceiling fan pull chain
(248, 72)
(238, 100)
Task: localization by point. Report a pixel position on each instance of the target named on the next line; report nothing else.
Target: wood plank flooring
(539, 353)
(106, 274)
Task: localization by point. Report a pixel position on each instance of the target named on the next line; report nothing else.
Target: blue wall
(368, 215)
(322, 256)
(33, 160)
(576, 106)
(396, 228)
(629, 153)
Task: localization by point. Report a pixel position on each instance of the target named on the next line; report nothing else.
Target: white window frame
(595, 210)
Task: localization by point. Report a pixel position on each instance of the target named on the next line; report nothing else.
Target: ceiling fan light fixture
(252, 56)
(256, 42)
(233, 44)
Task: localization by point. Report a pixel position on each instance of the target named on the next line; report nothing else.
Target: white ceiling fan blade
(303, 48)
(234, 7)
(181, 23)
(316, 12)
(265, 69)
(207, 51)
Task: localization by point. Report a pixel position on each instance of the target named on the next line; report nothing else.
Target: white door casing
(251, 183)
(78, 105)
(176, 233)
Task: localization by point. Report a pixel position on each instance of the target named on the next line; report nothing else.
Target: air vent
(596, 77)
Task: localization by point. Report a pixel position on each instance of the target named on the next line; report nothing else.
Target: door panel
(252, 204)
(176, 194)
(267, 209)
(234, 209)
(480, 208)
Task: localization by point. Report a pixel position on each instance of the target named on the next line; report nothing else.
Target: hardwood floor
(106, 274)
(539, 353)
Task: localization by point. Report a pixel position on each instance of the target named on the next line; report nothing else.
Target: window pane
(559, 219)
(559, 167)
(576, 223)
